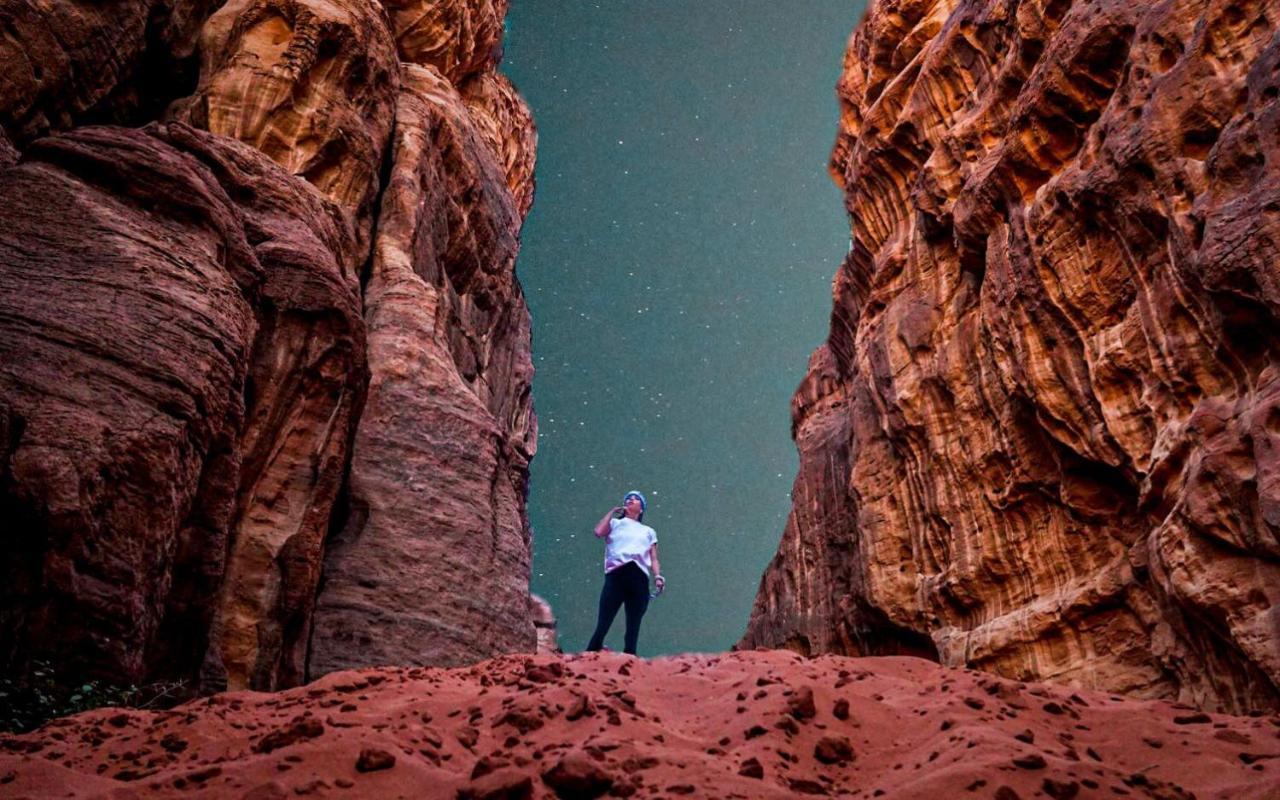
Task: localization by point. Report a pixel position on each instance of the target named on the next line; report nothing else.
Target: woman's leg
(611, 597)
(637, 600)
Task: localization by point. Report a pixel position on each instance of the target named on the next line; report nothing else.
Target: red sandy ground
(736, 725)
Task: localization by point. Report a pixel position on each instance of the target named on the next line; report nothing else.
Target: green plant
(29, 700)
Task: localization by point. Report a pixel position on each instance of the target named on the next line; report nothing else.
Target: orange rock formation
(1041, 438)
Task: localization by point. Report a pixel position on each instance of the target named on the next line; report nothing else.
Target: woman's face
(632, 506)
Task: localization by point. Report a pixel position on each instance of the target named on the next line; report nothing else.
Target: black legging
(626, 584)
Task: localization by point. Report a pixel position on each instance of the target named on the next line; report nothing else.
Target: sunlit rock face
(1041, 438)
(190, 322)
(457, 37)
(310, 83)
(440, 467)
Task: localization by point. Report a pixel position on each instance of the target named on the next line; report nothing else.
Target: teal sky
(677, 262)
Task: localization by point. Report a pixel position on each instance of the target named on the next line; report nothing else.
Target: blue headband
(637, 496)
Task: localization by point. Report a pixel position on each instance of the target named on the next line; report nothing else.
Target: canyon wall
(1043, 436)
(436, 546)
(264, 363)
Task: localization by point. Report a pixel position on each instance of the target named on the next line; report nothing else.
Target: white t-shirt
(628, 540)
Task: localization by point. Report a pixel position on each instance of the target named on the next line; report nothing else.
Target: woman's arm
(657, 569)
(602, 527)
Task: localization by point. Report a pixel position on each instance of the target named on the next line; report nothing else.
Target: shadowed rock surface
(1041, 437)
(504, 120)
(126, 343)
(744, 725)
(8, 153)
(77, 61)
(185, 359)
(176, 469)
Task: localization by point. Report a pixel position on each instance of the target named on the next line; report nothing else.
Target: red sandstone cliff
(1041, 438)
(264, 364)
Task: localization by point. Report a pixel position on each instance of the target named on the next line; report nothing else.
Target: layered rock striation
(1041, 437)
(227, 408)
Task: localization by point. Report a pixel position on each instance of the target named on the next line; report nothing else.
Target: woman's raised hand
(603, 526)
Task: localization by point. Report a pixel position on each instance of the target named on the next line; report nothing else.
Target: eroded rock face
(185, 357)
(306, 384)
(439, 471)
(503, 119)
(457, 37)
(1040, 439)
(310, 83)
(73, 59)
(123, 359)
(179, 406)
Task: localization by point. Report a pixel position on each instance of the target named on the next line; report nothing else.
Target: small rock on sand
(833, 750)
(372, 759)
(577, 777)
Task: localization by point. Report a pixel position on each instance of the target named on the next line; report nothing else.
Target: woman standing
(630, 556)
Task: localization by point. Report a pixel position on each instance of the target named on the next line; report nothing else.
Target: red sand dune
(747, 725)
